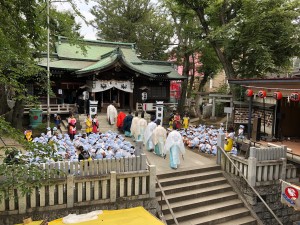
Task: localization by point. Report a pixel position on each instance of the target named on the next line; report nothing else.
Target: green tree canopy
(136, 21)
(250, 37)
(23, 31)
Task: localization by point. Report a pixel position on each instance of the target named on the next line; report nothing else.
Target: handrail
(167, 201)
(164, 195)
(253, 189)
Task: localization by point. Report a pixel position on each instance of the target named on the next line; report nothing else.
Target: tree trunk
(192, 79)
(226, 63)
(184, 83)
(3, 101)
(17, 115)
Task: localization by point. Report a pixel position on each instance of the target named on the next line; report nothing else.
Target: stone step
(202, 211)
(185, 178)
(192, 194)
(189, 171)
(217, 218)
(191, 185)
(247, 220)
(197, 202)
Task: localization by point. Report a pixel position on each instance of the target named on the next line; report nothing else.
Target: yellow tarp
(32, 223)
(132, 216)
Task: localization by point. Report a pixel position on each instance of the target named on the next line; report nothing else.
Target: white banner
(103, 85)
(290, 195)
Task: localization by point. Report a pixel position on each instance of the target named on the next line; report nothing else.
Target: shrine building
(111, 72)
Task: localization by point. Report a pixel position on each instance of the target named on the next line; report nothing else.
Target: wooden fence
(263, 167)
(86, 183)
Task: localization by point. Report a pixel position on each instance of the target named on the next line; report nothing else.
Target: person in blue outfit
(127, 124)
(174, 145)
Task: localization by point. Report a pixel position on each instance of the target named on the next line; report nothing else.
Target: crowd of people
(96, 145)
(86, 147)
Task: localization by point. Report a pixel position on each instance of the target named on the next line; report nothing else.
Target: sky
(88, 32)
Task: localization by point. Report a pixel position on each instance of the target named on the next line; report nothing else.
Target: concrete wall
(150, 204)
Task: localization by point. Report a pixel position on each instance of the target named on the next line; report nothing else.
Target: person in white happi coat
(134, 126)
(148, 134)
(159, 138)
(111, 114)
(142, 124)
(174, 145)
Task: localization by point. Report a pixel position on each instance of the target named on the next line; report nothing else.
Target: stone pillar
(252, 162)
(232, 112)
(21, 202)
(283, 169)
(70, 191)
(220, 143)
(213, 113)
(143, 161)
(152, 181)
(138, 148)
(113, 186)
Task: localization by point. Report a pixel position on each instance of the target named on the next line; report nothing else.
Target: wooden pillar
(249, 117)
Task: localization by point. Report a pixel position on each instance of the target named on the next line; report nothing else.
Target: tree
(250, 37)
(23, 37)
(186, 32)
(135, 21)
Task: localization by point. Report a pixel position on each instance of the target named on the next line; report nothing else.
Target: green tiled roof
(65, 64)
(99, 65)
(100, 55)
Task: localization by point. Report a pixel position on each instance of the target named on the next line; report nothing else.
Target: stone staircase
(202, 196)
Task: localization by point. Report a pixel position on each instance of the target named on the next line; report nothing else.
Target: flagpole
(48, 65)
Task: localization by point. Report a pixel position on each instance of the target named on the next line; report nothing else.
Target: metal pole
(264, 117)
(48, 66)
(249, 117)
(227, 121)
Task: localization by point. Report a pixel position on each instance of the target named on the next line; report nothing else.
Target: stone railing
(265, 166)
(98, 182)
(152, 106)
(98, 166)
(54, 108)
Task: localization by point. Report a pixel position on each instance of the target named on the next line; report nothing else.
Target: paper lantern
(262, 94)
(294, 97)
(249, 92)
(277, 95)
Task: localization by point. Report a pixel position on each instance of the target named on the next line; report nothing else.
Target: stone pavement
(191, 159)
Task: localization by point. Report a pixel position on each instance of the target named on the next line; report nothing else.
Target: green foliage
(223, 89)
(134, 22)
(17, 171)
(220, 109)
(250, 37)
(23, 30)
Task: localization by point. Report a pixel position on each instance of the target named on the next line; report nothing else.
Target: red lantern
(294, 97)
(249, 92)
(262, 94)
(277, 95)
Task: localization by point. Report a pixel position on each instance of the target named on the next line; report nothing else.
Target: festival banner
(290, 195)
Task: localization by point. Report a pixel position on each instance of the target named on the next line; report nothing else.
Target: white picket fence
(100, 181)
